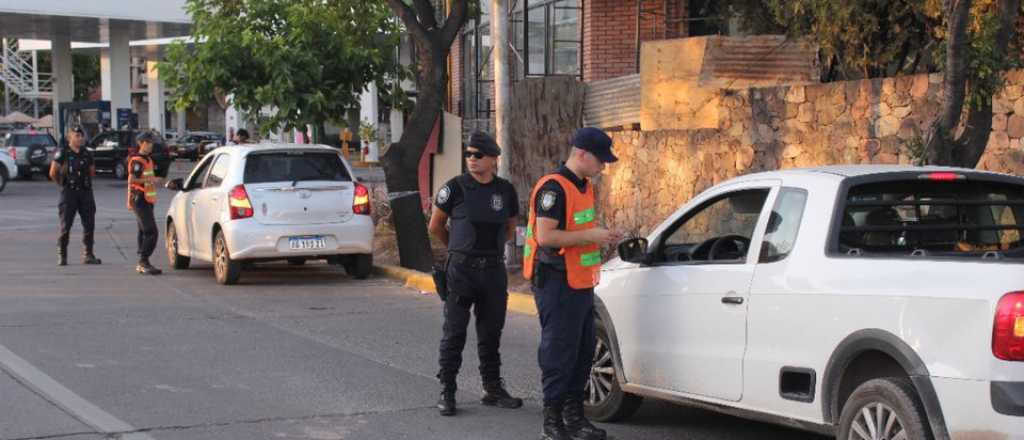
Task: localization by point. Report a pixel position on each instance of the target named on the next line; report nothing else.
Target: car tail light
(942, 176)
(13, 152)
(1008, 329)
(239, 204)
(361, 201)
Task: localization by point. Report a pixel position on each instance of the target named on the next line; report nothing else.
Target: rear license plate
(307, 243)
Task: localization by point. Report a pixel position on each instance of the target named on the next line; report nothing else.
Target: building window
(546, 40)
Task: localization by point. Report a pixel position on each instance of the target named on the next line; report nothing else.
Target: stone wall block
(796, 95)
(1015, 126)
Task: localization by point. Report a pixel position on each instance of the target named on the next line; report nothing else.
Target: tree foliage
(307, 60)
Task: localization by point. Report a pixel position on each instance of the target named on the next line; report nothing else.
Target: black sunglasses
(476, 154)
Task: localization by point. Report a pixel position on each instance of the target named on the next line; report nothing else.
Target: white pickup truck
(865, 302)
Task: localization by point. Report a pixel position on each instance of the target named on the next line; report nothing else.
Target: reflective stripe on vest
(582, 263)
(148, 189)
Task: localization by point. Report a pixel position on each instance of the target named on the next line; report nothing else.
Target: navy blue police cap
(485, 143)
(145, 136)
(595, 141)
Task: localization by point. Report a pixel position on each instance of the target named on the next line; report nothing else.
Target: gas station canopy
(91, 21)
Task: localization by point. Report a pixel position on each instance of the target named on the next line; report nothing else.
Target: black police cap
(485, 143)
(145, 136)
(596, 141)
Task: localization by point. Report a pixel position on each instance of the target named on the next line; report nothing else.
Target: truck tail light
(239, 204)
(361, 200)
(1008, 329)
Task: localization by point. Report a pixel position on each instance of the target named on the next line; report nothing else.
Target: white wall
(449, 163)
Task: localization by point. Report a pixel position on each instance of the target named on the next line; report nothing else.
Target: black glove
(441, 280)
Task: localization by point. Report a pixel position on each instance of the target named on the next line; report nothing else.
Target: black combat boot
(553, 428)
(62, 257)
(89, 258)
(446, 404)
(147, 269)
(577, 427)
(496, 395)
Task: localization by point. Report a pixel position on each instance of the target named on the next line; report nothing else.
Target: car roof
(266, 147)
(839, 172)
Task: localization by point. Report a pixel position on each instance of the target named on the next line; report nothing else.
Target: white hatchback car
(265, 202)
(868, 302)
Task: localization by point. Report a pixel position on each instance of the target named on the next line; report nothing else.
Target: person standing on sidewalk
(482, 208)
(142, 182)
(562, 258)
(73, 169)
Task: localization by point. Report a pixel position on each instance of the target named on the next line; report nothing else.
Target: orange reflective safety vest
(147, 189)
(582, 263)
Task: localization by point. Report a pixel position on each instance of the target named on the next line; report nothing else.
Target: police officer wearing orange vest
(482, 208)
(562, 258)
(142, 181)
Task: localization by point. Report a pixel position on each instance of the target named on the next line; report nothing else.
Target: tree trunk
(401, 163)
(971, 145)
(939, 149)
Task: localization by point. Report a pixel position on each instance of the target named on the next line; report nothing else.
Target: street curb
(517, 301)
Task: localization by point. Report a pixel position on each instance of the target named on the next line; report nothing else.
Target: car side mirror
(634, 250)
(175, 185)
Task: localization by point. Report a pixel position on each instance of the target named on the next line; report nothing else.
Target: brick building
(589, 39)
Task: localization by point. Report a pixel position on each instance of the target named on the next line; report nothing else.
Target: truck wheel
(884, 409)
(3, 178)
(605, 400)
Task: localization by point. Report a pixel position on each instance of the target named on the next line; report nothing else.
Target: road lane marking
(65, 399)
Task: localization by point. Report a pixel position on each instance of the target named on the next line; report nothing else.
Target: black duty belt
(476, 261)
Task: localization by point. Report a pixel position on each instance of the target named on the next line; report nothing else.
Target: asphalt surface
(93, 352)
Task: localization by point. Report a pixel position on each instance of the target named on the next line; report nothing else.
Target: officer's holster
(440, 273)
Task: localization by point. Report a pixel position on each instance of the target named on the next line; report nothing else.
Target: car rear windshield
(27, 140)
(294, 166)
(951, 216)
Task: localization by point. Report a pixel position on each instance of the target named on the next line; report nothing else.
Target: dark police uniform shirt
(550, 203)
(479, 214)
(79, 164)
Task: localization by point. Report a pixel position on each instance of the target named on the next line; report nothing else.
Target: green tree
(976, 57)
(433, 40)
(308, 60)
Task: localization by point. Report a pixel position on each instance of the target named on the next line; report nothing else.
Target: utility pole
(502, 82)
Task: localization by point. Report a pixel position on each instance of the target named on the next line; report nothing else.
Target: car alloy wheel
(602, 374)
(876, 421)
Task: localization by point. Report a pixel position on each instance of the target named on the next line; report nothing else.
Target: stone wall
(855, 122)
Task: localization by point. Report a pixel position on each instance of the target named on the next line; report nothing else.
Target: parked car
(8, 169)
(194, 145)
(868, 302)
(111, 150)
(32, 151)
(256, 203)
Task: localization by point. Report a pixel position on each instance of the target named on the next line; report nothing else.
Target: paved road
(293, 353)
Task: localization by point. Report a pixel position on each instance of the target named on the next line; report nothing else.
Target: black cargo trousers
(479, 285)
(78, 202)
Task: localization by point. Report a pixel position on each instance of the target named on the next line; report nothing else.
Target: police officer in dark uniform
(73, 169)
(142, 182)
(482, 208)
(562, 258)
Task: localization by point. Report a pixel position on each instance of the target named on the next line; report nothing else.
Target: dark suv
(32, 150)
(111, 150)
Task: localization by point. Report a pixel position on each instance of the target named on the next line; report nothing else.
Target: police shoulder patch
(547, 200)
(443, 195)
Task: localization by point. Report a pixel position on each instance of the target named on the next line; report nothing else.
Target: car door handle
(732, 300)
